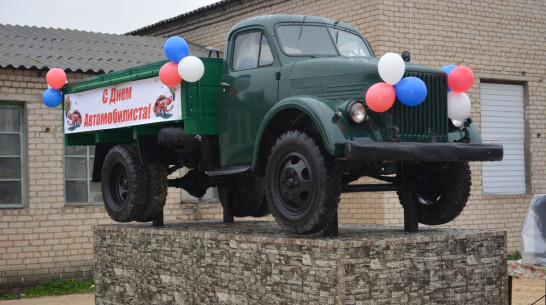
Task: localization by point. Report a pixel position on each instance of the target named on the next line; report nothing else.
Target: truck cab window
(349, 44)
(306, 40)
(266, 57)
(251, 50)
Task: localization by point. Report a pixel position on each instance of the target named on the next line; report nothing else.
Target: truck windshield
(316, 40)
(349, 44)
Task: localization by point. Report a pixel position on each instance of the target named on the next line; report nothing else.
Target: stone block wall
(256, 263)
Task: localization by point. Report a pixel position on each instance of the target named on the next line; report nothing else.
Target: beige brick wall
(500, 40)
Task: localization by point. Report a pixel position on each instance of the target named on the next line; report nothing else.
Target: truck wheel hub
(294, 183)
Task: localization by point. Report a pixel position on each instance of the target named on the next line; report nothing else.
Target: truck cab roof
(269, 21)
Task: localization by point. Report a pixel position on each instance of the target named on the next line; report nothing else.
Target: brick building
(49, 231)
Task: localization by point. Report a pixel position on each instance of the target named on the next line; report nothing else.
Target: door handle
(225, 84)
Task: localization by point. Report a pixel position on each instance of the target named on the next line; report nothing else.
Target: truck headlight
(356, 112)
(457, 123)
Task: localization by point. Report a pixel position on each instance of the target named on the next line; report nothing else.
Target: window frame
(330, 30)
(301, 25)
(487, 186)
(260, 49)
(22, 154)
(89, 175)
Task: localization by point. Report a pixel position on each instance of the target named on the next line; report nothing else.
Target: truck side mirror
(406, 56)
(213, 49)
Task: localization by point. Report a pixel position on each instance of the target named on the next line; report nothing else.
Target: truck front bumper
(412, 151)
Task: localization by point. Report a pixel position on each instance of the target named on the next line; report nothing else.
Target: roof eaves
(176, 18)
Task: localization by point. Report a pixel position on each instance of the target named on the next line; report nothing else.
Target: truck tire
(245, 196)
(303, 184)
(171, 136)
(177, 137)
(157, 192)
(441, 195)
(124, 183)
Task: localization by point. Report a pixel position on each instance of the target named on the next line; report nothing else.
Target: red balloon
(380, 97)
(460, 79)
(56, 78)
(168, 74)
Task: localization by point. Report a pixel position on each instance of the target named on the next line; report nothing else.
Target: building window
(12, 157)
(78, 173)
(503, 123)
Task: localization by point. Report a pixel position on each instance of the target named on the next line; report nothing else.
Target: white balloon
(191, 69)
(391, 68)
(458, 106)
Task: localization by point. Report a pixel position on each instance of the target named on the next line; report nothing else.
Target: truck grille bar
(427, 122)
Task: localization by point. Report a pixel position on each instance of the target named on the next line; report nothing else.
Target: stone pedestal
(258, 263)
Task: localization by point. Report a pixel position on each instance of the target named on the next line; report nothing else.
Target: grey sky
(105, 16)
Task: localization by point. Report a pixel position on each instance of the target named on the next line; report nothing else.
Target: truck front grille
(427, 122)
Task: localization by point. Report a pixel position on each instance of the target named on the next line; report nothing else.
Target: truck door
(249, 87)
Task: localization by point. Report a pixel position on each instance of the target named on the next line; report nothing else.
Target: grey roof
(177, 18)
(24, 47)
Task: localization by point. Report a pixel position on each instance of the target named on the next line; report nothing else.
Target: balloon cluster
(410, 91)
(181, 66)
(459, 80)
(56, 78)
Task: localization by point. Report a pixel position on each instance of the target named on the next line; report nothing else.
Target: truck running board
(229, 171)
(374, 188)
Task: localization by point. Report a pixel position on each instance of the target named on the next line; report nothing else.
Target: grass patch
(515, 256)
(57, 286)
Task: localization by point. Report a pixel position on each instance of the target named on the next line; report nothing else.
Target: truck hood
(337, 78)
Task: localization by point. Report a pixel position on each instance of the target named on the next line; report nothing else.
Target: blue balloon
(447, 69)
(175, 49)
(411, 91)
(52, 97)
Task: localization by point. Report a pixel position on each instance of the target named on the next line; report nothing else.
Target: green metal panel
(117, 77)
(200, 101)
(80, 139)
(428, 120)
(117, 135)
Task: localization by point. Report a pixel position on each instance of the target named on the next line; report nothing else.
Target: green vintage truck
(280, 125)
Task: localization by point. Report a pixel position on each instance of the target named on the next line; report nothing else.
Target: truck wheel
(124, 183)
(442, 194)
(303, 184)
(157, 192)
(245, 196)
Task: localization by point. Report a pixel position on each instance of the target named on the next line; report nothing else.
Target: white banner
(127, 104)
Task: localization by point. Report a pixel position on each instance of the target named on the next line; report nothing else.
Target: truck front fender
(320, 111)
